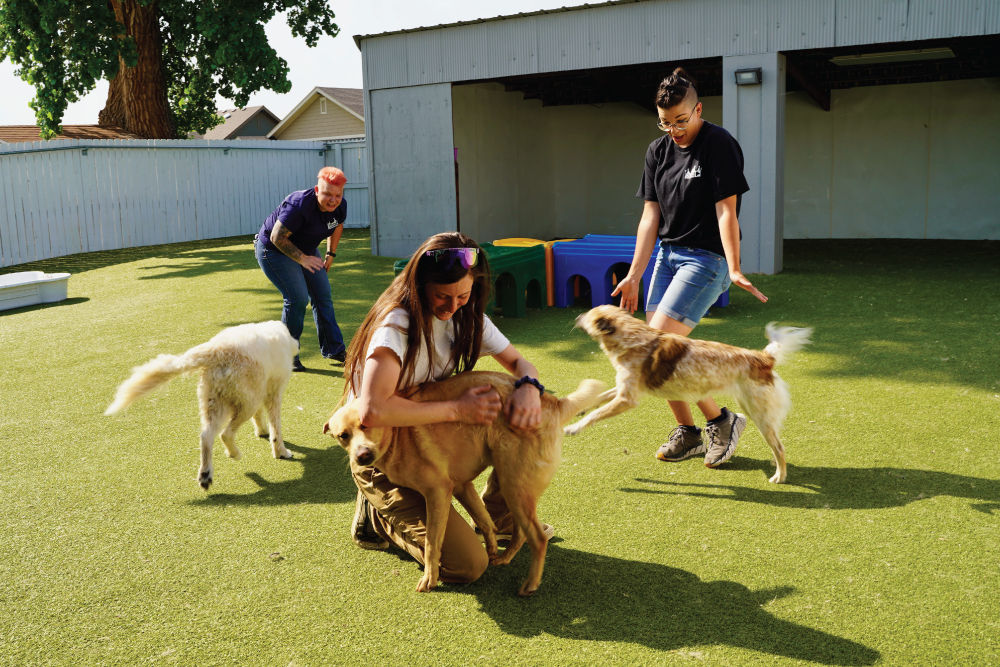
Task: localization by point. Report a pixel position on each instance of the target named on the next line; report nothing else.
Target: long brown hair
(407, 292)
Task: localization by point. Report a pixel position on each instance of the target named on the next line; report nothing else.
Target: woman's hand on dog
(524, 410)
(479, 405)
(629, 289)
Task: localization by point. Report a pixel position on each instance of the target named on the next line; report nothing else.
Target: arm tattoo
(283, 241)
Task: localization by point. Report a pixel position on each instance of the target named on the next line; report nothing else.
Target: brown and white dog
(244, 371)
(685, 369)
(441, 460)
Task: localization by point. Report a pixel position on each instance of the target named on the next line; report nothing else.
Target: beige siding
(311, 124)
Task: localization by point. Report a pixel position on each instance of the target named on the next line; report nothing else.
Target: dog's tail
(152, 374)
(586, 396)
(785, 341)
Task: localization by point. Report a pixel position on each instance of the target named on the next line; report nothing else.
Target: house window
(322, 105)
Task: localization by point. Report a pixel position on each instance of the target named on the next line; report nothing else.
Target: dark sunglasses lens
(468, 257)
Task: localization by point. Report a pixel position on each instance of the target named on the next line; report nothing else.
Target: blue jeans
(686, 282)
(298, 287)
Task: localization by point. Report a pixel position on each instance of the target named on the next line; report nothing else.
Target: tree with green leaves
(165, 60)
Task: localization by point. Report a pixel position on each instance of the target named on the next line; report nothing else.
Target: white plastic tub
(30, 287)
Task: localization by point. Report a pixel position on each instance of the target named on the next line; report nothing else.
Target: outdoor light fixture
(748, 77)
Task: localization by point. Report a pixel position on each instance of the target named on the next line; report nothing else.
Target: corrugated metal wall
(65, 197)
(413, 166)
(657, 31)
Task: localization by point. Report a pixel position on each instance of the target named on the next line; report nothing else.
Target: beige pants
(400, 516)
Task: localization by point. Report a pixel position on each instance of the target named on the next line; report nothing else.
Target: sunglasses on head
(469, 257)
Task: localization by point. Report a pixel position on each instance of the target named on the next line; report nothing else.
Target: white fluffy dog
(244, 373)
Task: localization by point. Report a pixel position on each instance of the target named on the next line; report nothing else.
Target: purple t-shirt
(300, 215)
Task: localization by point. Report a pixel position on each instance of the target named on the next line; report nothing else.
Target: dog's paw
(205, 479)
(234, 453)
(492, 550)
(573, 429)
(527, 590)
(283, 453)
(426, 584)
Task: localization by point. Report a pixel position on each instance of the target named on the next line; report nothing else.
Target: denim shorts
(686, 282)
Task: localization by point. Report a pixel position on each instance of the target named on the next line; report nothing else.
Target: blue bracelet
(530, 380)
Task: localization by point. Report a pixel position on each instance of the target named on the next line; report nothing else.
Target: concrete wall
(525, 170)
(903, 161)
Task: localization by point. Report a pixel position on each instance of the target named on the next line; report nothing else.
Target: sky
(334, 62)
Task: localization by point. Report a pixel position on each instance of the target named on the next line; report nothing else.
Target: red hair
(331, 175)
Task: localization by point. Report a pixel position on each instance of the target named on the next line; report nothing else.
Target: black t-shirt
(687, 183)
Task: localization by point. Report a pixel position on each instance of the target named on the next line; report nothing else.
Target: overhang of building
(815, 71)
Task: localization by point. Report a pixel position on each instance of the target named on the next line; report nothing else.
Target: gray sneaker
(723, 437)
(683, 443)
(363, 528)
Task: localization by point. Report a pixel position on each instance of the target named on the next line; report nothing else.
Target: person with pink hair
(287, 250)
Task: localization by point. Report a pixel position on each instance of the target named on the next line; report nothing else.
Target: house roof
(12, 134)
(351, 100)
(234, 120)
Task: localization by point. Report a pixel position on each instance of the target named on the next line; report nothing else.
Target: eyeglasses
(679, 127)
(469, 257)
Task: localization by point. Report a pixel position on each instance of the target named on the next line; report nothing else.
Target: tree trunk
(137, 96)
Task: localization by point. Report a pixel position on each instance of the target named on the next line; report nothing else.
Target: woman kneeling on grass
(428, 324)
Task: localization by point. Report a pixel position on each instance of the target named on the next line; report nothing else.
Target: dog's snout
(364, 456)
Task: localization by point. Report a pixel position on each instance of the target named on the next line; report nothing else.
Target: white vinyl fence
(67, 196)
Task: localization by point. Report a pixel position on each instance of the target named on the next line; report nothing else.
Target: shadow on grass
(590, 597)
(89, 261)
(842, 488)
(325, 479)
(192, 264)
(43, 306)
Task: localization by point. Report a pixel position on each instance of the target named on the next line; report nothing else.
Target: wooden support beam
(820, 95)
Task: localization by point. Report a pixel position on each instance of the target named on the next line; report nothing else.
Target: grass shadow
(72, 301)
(325, 479)
(589, 597)
(842, 488)
(88, 261)
(192, 264)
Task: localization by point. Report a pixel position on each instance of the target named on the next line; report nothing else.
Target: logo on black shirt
(693, 172)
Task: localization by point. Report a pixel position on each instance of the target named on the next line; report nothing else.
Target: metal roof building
(872, 118)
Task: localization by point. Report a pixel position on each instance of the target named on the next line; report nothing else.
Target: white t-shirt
(443, 333)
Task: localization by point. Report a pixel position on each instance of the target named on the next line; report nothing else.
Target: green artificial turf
(882, 548)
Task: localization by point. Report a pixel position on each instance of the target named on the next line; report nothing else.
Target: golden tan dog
(441, 460)
(685, 369)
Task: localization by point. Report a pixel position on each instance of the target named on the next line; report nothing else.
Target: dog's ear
(605, 326)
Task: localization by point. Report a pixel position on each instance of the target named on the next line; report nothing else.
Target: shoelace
(675, 435)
